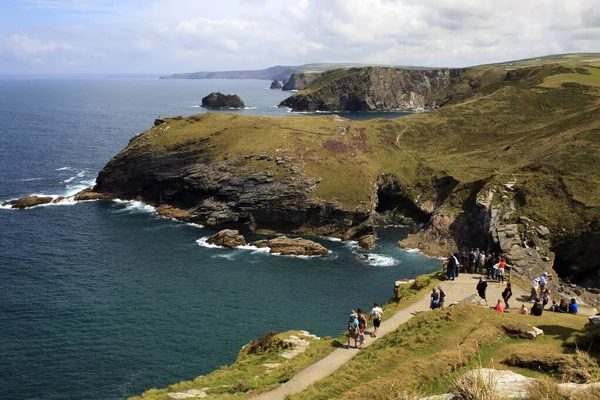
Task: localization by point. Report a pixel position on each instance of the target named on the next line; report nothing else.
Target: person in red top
(499, 306)
(501, 270)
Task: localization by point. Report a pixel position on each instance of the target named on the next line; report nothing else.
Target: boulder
(29, 201)
(594, 320)
(227, 238)
(367, 241)
(219, 101)
(288, 246)
(275, 85)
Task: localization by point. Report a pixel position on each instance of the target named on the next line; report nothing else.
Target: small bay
(103, 300)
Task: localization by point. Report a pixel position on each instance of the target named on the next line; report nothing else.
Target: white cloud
(189, 35)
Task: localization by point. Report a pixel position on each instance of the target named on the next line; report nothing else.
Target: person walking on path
(362, 326)
(535, 285)
(376, 314)
(435, 299)
(507, 294)
(442, 296)
(352, 328)
(545, 297)
(501, 270)
(481, 288)
(457, 263)
(543, 282)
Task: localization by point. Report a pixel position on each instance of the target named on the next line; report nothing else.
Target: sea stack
(220, 101)
(275, 85)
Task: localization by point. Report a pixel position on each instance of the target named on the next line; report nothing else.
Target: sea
(106, 299)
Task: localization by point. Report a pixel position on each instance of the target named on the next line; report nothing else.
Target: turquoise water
(103, 300)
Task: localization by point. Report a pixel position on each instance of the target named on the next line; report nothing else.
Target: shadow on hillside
(561, 332)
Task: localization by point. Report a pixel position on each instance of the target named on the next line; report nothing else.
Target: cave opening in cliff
(576, 261)
(391, 197)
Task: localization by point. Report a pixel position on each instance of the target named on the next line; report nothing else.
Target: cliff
(375, 89)
(508, 163)
(300, 81)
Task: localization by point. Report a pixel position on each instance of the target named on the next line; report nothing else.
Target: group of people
(475, 262)
(540, 296)
(357, 325)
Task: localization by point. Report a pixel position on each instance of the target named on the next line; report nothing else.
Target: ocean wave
(411, 250)
(203, 242)
(191, 224)
(30, 179)
(378, 260)
(331, 239)
(63, 169)
(227, 256)
(69, 180)
(136, 206)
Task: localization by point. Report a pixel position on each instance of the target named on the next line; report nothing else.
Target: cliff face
(375, 89)
(300, 81)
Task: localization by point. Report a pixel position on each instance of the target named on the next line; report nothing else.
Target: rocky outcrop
(227, 238)
(300, 81)
(367, 241)
(89, 194)
(375, 89)
(220, 101)
(275, 85)
(435, 239)
(288, 246)
(30, 201)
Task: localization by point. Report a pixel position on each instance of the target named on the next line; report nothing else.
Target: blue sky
(167, 36)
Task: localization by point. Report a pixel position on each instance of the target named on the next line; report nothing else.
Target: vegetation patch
(578, 367)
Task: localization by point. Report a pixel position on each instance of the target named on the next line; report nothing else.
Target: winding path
(459, 289)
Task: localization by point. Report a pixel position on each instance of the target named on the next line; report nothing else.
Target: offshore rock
(227, 238)
(275, 85)
(220, 101)
(288, 246)
(174, 212)
(29, 201)
(367, 241)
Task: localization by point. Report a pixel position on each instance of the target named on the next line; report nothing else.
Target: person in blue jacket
(352, 327)
(573, 306)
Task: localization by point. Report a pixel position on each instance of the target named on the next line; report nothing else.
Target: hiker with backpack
(375, 315)
(352, 327)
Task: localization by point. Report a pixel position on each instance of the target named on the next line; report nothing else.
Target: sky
(170, 36)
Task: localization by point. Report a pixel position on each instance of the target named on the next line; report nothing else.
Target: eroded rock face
(376, 89)
(227, 238)
(292, 246)
(367, 241)
(300, 81)
(219, 101)
(30, 201)
(435, 239)
(275, 85)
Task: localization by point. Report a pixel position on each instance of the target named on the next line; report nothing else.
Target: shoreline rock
(30, 201)
(227, 238)
(291, 246)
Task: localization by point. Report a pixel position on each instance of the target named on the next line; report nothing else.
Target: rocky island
(275, 85)
(220, 101)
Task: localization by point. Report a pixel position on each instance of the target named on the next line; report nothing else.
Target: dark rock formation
(227, 238)
(300, 81)
(296, 246)
(30, 201)
(275, 85)
(374, 89)
(220, 101)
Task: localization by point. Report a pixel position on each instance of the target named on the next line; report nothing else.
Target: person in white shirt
(376, 314)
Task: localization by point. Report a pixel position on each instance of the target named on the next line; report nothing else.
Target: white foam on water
(378, 260)
(80, 174)
(195, 106)
(255, 249)
(63, 169)
(203, 242)
(30, 179)
(68, 180)
(409, 250)
(135, 205)
(195, 225)
(228, 256)
(331, 239)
